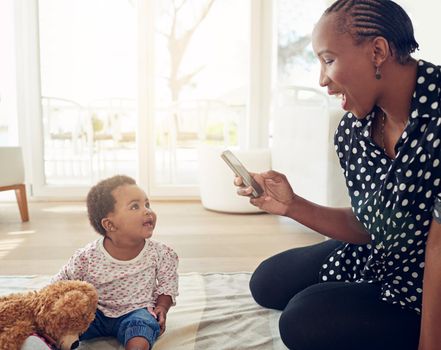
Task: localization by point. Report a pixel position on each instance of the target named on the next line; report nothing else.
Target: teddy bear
(59, 312)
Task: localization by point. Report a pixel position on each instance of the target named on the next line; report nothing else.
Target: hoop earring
(378, 73)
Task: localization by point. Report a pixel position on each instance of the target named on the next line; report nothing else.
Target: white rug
(213, 311)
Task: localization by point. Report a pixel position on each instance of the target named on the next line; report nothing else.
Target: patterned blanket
(213, 311)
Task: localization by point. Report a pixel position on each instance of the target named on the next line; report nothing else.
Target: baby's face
(132, 216)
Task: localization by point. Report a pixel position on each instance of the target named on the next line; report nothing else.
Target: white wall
(8, 96)
(425, 18)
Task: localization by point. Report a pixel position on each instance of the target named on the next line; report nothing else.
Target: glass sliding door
(296, 64)
(136, 87)
(201, 82)
(303, 115)
(88, 72)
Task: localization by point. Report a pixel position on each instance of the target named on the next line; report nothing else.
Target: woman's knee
(339, 315)
(280, 277)
(262, 286)
(296, 326)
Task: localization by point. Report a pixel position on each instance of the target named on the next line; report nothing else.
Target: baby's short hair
(100, 201)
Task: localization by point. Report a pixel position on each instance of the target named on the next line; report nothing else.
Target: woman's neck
(396, 98)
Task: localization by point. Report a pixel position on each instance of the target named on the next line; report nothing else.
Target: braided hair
(365, 19)
(100, 201)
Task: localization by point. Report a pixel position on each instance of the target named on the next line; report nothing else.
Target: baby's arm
(74, 269)
(167, 284)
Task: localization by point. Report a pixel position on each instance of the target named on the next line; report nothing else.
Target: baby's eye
(147, 205)
(134, 207)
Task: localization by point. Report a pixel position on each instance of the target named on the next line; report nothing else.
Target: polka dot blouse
(395, 199)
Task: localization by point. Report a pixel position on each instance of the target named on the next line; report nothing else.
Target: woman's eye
(328, 61)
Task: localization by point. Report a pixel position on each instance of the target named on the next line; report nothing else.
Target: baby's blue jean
(138, 323)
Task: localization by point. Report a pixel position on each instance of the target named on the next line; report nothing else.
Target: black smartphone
(241, 171)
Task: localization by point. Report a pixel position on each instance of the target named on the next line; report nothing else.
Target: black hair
(100, 201)
(365, 19)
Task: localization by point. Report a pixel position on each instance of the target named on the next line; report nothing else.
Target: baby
(136, 278)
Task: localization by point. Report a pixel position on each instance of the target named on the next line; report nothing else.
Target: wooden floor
(205, 241)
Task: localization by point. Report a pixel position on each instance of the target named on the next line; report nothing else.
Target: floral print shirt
(124, 286)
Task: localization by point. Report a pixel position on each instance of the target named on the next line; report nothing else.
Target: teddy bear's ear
(80, 307)
(65, 305)
(71, 300)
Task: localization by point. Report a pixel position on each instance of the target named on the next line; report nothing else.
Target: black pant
(331, 315)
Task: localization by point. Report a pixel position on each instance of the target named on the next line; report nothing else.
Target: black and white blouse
(395, 199)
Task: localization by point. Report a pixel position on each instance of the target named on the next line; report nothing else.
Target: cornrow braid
(365, 19)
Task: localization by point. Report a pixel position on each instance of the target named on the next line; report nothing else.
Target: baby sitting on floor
(136, 278)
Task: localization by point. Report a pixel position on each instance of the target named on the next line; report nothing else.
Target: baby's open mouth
(148, 223)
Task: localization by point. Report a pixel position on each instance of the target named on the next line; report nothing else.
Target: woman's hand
(277, 196)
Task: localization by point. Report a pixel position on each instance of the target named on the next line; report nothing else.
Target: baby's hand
(152, 312)
(160, 313)
(161, 316)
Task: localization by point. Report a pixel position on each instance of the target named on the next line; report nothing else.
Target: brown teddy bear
(59, 312)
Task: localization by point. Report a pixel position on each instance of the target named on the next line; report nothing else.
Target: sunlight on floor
(66, 209)
(9, 244)
(16, 233)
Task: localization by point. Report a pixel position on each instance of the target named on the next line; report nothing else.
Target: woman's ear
(380, 50)
(107, 224)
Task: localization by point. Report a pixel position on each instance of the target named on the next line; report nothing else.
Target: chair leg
(20, 194)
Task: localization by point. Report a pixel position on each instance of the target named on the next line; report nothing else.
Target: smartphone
(241, 171)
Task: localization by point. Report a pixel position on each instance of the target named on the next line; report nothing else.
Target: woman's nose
(324, 80)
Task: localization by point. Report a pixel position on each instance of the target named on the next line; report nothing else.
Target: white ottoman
(217, 190)
(303, 145)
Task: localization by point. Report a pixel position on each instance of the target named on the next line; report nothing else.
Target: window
(201, 82)
(89, 86)
(296, 64)
(108, 96)
(88, 69)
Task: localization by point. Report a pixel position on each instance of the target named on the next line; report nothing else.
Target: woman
(363, 289)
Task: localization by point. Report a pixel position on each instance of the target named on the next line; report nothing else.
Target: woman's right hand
(278, 194)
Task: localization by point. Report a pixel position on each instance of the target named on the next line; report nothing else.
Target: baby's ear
(107, 224)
